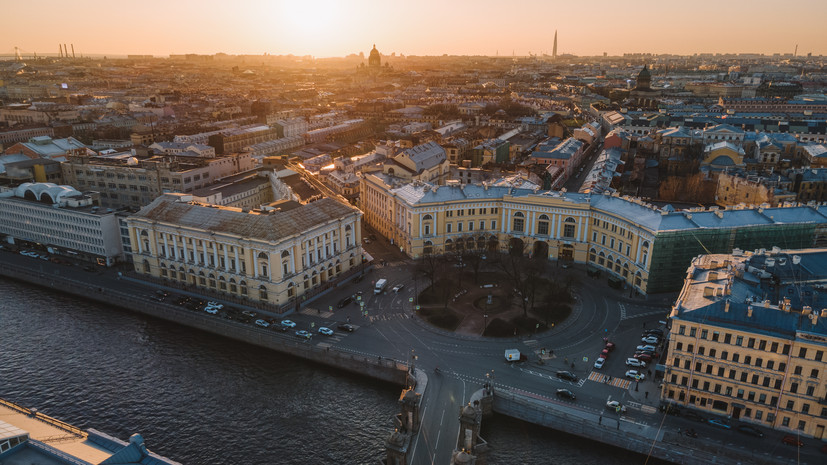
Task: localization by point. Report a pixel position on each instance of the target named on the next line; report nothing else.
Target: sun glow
(310, 25)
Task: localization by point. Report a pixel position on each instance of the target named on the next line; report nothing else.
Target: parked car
(633, 362)
(792, 440)
(650, 353)
(605, 353)
(288, 324)
(650, 340)
(211, 310)
(262, 323)
(304, 334)
(325, 331)
(751, 430)
(249, 313)
(599, 363)
(398, 287)
(635, 374)
(346, 327)
(646, 347)
(566, 393)
(616, 406)
(655, 332)
(644, 357)
(610, 346)
(719, 422)
(567, 375)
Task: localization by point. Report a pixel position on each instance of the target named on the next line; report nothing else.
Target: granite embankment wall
(616, 431)
(383, 369)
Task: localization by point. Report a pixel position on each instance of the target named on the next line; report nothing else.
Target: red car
(605, 353)
(610, 346)
(792, 440)
(643, 358)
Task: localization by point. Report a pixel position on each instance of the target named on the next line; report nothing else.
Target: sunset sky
(325, 28)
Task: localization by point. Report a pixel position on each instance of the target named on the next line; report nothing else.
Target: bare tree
(429, 265)
(521, 271)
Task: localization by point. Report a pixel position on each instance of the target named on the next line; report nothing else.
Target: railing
(44, 418)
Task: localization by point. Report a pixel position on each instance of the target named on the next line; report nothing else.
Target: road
(386, 327)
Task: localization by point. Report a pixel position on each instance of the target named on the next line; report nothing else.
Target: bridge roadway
(389, 330)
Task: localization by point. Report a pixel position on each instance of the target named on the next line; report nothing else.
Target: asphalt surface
(386, 327)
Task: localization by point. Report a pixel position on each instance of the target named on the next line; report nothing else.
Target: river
(203, 399)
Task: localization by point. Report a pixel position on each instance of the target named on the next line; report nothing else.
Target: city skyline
(326, 28)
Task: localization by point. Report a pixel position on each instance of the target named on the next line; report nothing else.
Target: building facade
(748, 338)
(276, 256)
(645, 247)
(62, 219)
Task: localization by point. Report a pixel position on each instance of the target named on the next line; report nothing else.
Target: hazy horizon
(330, 28)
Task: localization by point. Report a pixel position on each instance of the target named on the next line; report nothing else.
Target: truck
(514, 355)
(380, 286)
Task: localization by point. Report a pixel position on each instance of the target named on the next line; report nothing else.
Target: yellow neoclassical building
(421, 218)
(631, 241)
(276, 256)
(748, 339)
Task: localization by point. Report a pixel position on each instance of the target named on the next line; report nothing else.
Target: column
(420, 224)
(504, 219)
(204, 254)
(226, 258)
(184, 246)
(637, 255)
(166, 246)
(175, 247)
(215, 254)
(533, 218)
(559, 225)
(254, 263)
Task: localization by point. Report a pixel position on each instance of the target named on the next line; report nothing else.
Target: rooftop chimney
(749, 311)
(726, 306)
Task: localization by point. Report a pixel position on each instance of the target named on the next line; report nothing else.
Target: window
(542, 226)
(814, 373)
(739, 340)
(519, 222)
(692, 332)
(794, 388)
(819, 355)
(797, 370)
(751, 342)
(569, 227)
(802, 353)
(727, 338)
(774, 347)
(704, 333)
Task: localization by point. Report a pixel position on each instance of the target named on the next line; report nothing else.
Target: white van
(380, 286)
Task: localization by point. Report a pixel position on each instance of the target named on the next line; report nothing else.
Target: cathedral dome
(374, 59)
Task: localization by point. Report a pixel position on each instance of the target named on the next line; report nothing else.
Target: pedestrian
(618, 425)
(679, 432)
(644, 325)
(600, 420)
(647, 394)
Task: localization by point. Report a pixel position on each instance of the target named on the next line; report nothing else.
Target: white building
(62, 218)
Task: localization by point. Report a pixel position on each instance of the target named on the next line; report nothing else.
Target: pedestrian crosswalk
(614, 381)
(316, 312)
(388, 317)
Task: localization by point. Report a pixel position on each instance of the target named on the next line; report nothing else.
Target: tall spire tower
(554, 49)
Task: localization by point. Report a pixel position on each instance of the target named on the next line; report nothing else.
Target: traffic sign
(585, 359)
(312, 325)
(410, 299)
(417, 307)
(330, 307)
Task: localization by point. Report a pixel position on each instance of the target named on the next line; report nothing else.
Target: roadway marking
(530, 342)
(616, 382)
(314, 312)
(579, 383)
(622, 311)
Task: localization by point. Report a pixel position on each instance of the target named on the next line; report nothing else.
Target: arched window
(285, 254)
(202, 279)
(222, 283)
(617, 265)
(449, 245)
(262, 292)
(601, 259)
(233, 287)
(243, 287)
(291, 291)
(146, 266)
(212, 280)
(145, 240)
(569, 227)
(637, 279)
(426, 225)
(645, 253)
(518, 222)
(542, 226)
(428, 247)
(625, 270)
(592, 255)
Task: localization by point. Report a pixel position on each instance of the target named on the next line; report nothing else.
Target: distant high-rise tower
(554, 49)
